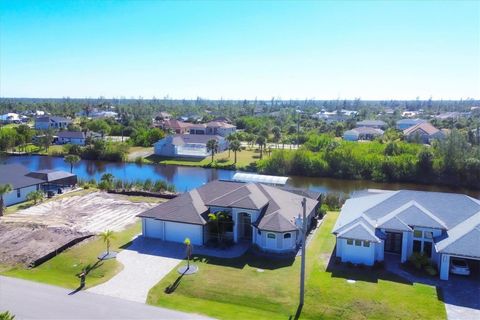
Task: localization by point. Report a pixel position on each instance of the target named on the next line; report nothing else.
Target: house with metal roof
(188, 145)
(438, 225)
(265, 216)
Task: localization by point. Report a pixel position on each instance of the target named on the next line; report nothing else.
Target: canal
(187, 178)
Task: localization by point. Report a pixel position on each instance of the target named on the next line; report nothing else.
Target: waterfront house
(265, 216)
(176, 126)
(423, 132)
(220, 128)
(439, 225)
(71, 137)
(362, 133)
(51, 122)
(187, 145)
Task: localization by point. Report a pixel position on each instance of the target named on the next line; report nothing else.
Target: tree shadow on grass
(171, 288)
(249, 258)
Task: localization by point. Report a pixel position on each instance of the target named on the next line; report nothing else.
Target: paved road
(31, 300)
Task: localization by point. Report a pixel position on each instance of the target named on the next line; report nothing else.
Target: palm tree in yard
(188, 245)
(4, 189)
(72, 159)
(235, 146)
(261, 143)
(212, 147)
(107, 236)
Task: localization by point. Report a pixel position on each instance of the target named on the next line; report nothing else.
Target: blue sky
(237, 50)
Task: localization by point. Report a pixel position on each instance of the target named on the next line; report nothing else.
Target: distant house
(161, 116)
(441, 226)
(407, 123)
(376, 124)
(362, 133)
(54, 179)
(188, 145)
(22, 185)
(72, 137)
(423, 132)
(334, 116)
(176, 126)
(51, 122)
(264, 216)
(198, 128)
(220, 128)
(10, 118)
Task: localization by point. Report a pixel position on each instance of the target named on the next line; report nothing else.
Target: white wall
(11, 198)
(172, 231)
(152, 228)
(357, 254)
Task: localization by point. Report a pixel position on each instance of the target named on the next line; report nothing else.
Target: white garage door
(153, 228)
(177, 232)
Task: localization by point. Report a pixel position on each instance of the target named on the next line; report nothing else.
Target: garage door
(153, 228)
(177, 232)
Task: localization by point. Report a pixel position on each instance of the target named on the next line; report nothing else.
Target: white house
(71, 137)
(423, 132)
(362, 133)
(22, 185)
(187, 145)
(407, 123)
(51, 122)
(376, 124)
(439, 225)
(263, 215)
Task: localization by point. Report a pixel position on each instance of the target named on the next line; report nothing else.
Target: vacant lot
(29, 234)
(261, 288)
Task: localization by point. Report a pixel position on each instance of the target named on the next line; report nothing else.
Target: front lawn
(62, 269)
(237, 289)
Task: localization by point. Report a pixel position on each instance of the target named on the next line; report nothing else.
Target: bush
(431, 270)
(418, 260)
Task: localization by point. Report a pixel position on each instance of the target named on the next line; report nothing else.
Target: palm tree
(6, 316)
(107, 180)
(261, 143)
(235, 146)
(212, 147)
(4, 189)
(35, 196)
(71, 159)
(107, 236)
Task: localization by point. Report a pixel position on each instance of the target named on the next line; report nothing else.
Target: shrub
(418, 260)
(431, 270)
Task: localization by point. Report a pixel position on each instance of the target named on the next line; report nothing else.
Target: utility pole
(304, 236)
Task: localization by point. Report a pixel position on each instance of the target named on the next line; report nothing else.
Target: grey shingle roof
(395, 224)
(16, 175)
(371, 123)
(71, 134)
(359, 231)
(182, 139)
(50, 175)
(279, 207)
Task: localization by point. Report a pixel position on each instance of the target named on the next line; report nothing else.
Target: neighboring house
(187, 145)
(267, 217)
(409, 114)
(334, 116)
(51, 122)
(407, 123)
(176, 126)
(198, 128)
(10, 118)
(22, 185)
(71, 137)
(54, 179)
(161, 116)
(220, 128)
(376, 124)
(362, 133)
(103, 114)
(423, 132)
(439, 225)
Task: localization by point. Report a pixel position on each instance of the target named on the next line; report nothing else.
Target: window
(417, 233)
(358, 243)
(18, 193)
(287, 236)
(350, 242)
(428, 234)
(366, 243)
(427, 249)
(271, 235)
(417, 246)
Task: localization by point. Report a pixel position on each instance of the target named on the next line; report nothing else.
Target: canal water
(187, 178)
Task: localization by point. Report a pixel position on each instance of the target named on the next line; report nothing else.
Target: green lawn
(62, 269)
(53, 150)
(245, 158)
(234, 289)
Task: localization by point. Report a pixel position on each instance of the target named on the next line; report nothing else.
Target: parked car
(460, 267)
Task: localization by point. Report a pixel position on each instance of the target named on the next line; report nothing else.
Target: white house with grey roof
(265, 216)
(439, 225)
(188, 145)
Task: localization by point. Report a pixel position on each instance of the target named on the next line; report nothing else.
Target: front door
(245, 226)
(393, 243)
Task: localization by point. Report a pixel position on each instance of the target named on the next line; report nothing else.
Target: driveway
(145, 263)
(31, 300)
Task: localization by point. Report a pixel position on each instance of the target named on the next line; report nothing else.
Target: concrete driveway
(462, 297)
(145, 263)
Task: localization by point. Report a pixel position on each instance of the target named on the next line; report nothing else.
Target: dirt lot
(32, 233)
